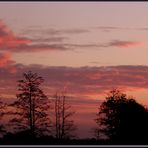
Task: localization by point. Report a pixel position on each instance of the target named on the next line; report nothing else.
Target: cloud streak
(13, 43)
(124, 44)
(118, 28)
(110, 28)
(53, 31)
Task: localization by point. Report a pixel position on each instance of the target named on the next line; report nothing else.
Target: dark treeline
(120, 119)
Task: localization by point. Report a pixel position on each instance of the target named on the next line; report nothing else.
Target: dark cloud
(82, 81)
(53, 31)
(142, 29)
(115, 28)
(75, 46)
(38, 47)
(110, 28)
(75, 31)
(48, 39)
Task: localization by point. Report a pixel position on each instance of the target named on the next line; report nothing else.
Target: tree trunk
(63, 116)
(57, 117)
(33, 117)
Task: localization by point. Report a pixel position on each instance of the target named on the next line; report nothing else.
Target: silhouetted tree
(32, 106)
(64, 125)
(2, 113)
(122, 119)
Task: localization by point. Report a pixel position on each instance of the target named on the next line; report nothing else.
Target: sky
(86, 47)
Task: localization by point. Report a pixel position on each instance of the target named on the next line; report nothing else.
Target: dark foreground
(12, 139)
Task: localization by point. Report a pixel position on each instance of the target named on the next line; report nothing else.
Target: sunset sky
(88, 48)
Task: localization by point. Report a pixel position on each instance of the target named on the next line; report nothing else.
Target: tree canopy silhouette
(122, 119)
(32, 105)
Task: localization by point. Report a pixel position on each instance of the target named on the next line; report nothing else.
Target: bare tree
(32, 105)
(64, 125)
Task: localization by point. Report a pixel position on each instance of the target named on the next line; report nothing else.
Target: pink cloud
(125, 44)
(13, 43)
(8, 39)
(4, 59)
(7, 63)
(83, 81)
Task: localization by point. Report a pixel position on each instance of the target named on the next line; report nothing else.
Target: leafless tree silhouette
(64, 125)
